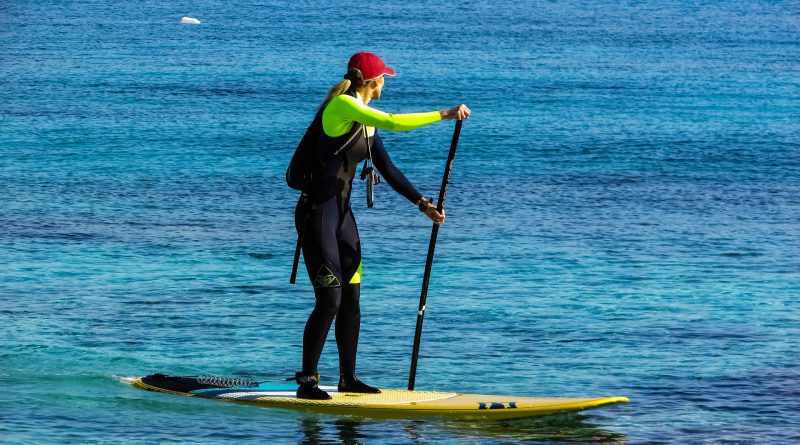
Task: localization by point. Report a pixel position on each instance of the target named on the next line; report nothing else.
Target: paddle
(429, 262)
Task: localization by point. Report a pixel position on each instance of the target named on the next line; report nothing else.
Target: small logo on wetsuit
(326, 278)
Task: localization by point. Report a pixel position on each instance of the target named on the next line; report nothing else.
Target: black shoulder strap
(354, 133)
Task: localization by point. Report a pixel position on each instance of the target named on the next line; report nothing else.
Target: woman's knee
(329, 300)
(351, 294)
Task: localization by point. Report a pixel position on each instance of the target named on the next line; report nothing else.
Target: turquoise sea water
(622, 219)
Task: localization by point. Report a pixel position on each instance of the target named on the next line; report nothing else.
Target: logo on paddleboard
(326, 278)
(497, 405)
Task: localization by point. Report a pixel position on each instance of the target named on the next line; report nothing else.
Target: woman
(331, 247)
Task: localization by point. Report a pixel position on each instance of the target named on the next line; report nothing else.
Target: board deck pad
(390, 403)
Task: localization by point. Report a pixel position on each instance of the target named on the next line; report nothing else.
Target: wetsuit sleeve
(390, 173)
(343, 110)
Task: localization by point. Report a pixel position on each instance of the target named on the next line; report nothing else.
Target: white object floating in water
(190, 21)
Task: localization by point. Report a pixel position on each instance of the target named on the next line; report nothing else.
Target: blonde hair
(347, 84)
(337, 90)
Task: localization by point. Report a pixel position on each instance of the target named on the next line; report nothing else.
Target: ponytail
(338, 89)
(352, 80)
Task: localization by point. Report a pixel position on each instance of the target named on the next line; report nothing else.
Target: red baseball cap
(370, 65)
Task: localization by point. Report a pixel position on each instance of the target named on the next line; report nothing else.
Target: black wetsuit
(332, 249)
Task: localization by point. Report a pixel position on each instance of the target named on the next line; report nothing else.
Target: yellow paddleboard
(390, 403)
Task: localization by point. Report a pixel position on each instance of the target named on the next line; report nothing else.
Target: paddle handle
(429, 261)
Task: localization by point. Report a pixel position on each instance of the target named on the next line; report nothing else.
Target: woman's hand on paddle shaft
(434, 215)
(460, 112)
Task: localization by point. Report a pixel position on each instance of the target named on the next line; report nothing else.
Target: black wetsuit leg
(348, 319)
(321, 257)
(332, 254)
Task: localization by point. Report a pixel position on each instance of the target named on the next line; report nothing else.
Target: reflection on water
(317, 431)
(567, 428)
(558, 428)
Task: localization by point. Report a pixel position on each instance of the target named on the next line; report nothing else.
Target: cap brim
(389, 72)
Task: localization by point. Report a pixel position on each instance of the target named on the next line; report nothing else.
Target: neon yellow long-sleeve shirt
(343, 110)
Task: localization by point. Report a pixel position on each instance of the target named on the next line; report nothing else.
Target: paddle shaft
(429, 261)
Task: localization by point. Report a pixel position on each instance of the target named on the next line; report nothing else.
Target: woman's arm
(343, 110)
(400, 183)
(392, 174)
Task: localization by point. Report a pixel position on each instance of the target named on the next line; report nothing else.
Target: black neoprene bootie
(307, 387)
(356, 385)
